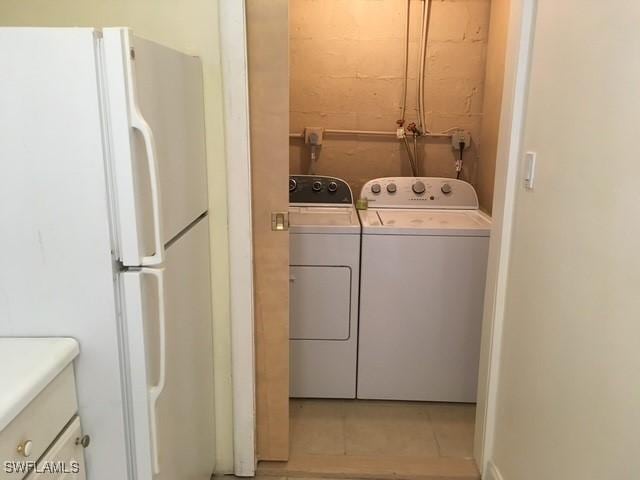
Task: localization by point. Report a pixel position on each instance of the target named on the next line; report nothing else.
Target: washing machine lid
(470, 223)
(324, 219)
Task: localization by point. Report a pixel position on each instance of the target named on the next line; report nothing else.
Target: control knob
(418, 188)
(332, 187)
(446, 188)
(375, 188)
(317, 186)
(391, 188)
(292, 184)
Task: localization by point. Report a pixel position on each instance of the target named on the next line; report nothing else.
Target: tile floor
(396, 429)
(378, 440)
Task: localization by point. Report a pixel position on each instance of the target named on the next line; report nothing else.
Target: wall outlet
(313, 135)
(460, 136)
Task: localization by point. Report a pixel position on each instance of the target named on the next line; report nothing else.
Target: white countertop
(27, 366)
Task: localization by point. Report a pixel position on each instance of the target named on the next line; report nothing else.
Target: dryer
(424, 258)
(324, 284)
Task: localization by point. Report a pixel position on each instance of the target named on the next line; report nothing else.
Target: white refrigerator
(105, 238)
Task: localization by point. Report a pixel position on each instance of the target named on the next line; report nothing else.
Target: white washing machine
(324, 283)
(424, 258)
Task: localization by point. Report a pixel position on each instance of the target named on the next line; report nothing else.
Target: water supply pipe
(406, 66)
(424, 36)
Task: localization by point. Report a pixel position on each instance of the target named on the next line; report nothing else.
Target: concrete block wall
(346, 69)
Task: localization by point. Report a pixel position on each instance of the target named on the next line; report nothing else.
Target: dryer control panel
(420, 192)
(313, 189)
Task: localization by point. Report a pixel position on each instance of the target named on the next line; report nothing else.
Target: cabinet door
(320, 302)
(65, 458)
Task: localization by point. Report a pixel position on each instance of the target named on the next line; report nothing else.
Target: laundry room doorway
(344, 436)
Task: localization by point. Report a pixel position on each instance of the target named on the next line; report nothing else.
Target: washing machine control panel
(419, 192)
(319, 189)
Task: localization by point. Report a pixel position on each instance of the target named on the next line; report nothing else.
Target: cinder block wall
(346, 68)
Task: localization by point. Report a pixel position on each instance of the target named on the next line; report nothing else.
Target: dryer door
(320, 302)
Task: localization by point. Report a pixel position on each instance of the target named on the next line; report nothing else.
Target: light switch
(529, 169)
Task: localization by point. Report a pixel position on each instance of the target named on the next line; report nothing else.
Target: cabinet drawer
(65, 459)
(39, 423)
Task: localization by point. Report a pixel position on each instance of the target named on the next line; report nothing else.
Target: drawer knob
(85, 440)
(25, 448)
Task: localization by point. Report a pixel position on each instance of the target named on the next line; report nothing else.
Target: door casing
(233, 52)
(516, 79)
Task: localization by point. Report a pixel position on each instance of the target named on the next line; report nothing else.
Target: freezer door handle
(139, 123)
(156, 390)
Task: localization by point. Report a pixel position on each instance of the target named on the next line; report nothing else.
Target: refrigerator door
(156, 110)
(169, 333)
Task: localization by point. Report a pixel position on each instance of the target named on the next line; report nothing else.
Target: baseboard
(492, 472)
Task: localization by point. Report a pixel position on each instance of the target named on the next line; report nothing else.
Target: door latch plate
(279, 221)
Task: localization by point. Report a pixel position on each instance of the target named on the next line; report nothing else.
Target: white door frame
(237, 145)
(233, 53)
(515, 91)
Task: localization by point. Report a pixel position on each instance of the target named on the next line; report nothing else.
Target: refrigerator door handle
(139, 123)
(156, 390)
(144, 394)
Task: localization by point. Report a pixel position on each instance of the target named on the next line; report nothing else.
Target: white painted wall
(190, 27)
(569, 391)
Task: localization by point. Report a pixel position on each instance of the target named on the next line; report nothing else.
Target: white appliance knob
(391, 188)
(317, 186)
(25, 448)
(418, 188)
(333, 186)
(292, 184)
(446, 188)
(375, 188)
